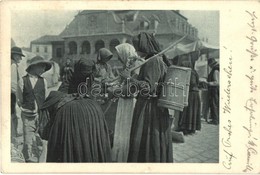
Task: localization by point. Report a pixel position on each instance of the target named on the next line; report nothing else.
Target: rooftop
(105, 22)
(47, 39)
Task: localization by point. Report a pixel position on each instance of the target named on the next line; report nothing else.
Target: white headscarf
(126, 52)
(128, 55)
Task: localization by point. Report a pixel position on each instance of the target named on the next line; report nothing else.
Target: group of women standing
(76, 129)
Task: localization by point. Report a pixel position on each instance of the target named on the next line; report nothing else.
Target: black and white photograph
(121, 87)
(115, 86)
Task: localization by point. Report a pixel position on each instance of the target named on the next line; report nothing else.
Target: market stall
(197, 53)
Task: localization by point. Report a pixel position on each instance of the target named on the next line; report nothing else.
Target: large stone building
(91, 30)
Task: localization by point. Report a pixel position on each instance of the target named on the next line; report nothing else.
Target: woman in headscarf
(103, 69)
(150, 138)
(190, 117)
(128, 57)
(103, 74)
(76, 131)
(66, 73)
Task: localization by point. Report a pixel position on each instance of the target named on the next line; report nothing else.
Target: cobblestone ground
(202, 147)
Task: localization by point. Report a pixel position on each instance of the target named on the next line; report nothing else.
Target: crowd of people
(70, 124)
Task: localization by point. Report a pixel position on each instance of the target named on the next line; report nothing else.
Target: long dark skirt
(150, 138)
(79, 134)
(190, 117)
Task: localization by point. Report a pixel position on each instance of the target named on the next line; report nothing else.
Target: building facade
(48, 47)
(91, 30)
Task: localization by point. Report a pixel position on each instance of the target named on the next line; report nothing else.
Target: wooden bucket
(175, 90)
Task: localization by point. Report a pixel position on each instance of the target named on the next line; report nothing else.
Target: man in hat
(34, 88)
(213, 87)
(16, 57)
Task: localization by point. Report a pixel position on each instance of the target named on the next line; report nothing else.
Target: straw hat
(37, 60)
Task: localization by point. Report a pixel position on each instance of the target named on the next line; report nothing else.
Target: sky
(207, 23)
(30, 25)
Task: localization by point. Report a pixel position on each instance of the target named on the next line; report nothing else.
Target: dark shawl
(74, 125)
(150, 138)
(83, 73)
(146, 43)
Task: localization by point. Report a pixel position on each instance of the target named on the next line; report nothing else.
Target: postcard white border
(233, 31)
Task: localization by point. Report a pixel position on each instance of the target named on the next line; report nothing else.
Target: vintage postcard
(130, 86)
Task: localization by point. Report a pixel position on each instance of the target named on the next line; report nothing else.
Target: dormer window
(177, 23)
(188, 29)
(155, 21)
(183, 27)
(144, 25)
(92, 21)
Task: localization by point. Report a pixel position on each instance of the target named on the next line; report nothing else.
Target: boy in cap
(16, 57)
(34, 88)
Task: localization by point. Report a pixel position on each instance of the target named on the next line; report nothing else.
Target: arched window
(99, 44)
(72, 47)
(85, 48)
(113, 44)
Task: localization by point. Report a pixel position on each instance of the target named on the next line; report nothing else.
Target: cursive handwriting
(227, 90)
(253, 18)
(228, 162)
(250, 151)
(252, 38)
(227, 141)
(251, 102)
(249, 106)
(253, 87)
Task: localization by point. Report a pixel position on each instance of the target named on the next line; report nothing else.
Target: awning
(199, 45)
